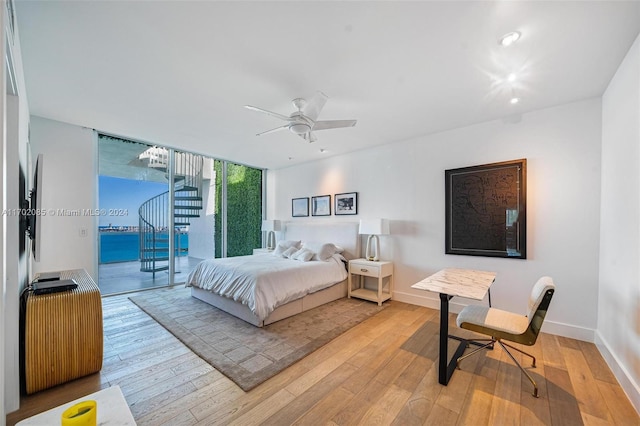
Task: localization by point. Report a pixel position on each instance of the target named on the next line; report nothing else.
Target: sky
(119, 199)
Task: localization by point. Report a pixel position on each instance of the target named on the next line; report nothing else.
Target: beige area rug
(246, 354)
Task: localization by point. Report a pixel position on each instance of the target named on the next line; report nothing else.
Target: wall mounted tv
(33, 211)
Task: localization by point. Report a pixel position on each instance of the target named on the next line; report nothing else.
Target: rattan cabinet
(63, 334)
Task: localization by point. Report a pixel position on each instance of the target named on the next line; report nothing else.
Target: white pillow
(322, 251)
(303, 255)
(285, 244)
(289, 252)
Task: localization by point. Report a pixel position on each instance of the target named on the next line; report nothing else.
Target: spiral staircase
(156, 232)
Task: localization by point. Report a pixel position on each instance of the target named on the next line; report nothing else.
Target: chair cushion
(485, 320)
(537, 294)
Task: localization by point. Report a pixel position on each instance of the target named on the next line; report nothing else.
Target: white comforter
(263, 281)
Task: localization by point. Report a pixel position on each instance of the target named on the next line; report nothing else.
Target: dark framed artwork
(346, 203)
(486, 210)
(300, 207)
(321, 205)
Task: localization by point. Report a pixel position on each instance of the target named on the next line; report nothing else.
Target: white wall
(4, 303)
(16, 264)
(70, 182)
(404, 182)
(618, 334)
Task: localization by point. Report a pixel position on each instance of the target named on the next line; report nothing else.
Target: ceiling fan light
(509, 38)
(300, 128)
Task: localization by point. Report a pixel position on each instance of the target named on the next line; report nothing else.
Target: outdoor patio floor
(123, 277)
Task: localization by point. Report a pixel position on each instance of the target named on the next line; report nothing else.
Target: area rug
(246, 354)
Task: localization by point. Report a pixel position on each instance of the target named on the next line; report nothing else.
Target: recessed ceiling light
(511, 78)
(514, 100)
(322, 150)
(509, 38)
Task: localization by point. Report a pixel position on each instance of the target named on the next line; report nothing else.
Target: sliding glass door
(125, 184)
(193, 212)
(168, 210)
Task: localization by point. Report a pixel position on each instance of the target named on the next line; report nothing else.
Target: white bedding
(263, 281)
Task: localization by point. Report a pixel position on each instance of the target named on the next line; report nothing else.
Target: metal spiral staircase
(155, 231)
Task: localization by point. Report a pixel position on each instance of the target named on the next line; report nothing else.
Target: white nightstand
(262, 250)
(366, 268)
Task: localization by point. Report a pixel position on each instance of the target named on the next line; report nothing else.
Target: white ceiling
(178, 73)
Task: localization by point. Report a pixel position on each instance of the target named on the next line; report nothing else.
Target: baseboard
(550, 327)
(628, 385)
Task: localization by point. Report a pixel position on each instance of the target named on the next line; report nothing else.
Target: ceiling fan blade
(286, 126)
(271, 113)
(315, 105)
(333, 124)
(309, 137)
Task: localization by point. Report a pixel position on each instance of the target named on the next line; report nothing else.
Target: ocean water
(124, 246)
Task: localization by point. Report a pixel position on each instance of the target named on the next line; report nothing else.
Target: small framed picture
(300, 207)
(346, 203)
(321, 205)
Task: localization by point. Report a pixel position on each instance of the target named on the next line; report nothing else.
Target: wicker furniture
(63, 334)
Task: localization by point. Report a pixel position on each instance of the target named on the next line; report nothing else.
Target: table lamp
(373, 228)
(271, 226)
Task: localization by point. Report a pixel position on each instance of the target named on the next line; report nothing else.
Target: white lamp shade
(374, 227)
(270, 225)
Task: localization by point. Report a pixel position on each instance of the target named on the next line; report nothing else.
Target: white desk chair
(503, 325)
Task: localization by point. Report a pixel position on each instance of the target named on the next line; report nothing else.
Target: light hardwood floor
(365, 376)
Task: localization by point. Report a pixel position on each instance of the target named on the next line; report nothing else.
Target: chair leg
(488, 345)
(533, 364)
(535, 387)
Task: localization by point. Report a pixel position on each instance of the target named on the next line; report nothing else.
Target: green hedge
(244, 209)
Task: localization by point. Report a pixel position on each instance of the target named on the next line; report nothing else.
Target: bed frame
(344, 234)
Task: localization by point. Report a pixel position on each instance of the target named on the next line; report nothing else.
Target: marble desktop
(467, 283)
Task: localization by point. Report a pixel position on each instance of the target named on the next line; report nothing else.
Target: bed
(209, 280)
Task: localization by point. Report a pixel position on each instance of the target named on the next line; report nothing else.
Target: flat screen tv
(34, 210)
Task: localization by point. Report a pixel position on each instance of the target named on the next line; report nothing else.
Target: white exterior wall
(618, 333)
(201, 230)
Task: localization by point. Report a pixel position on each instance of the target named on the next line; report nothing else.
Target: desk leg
(446, 367)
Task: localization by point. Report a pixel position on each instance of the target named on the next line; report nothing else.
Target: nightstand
(262, 250)
(382, 270)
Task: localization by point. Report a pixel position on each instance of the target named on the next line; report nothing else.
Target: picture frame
(345, 203)
(300, 207)
(486, 210)
(321, 205)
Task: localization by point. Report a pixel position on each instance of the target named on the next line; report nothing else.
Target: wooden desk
(449, 283)
(63, 334)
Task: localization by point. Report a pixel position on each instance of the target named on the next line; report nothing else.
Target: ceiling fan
(303, 121)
